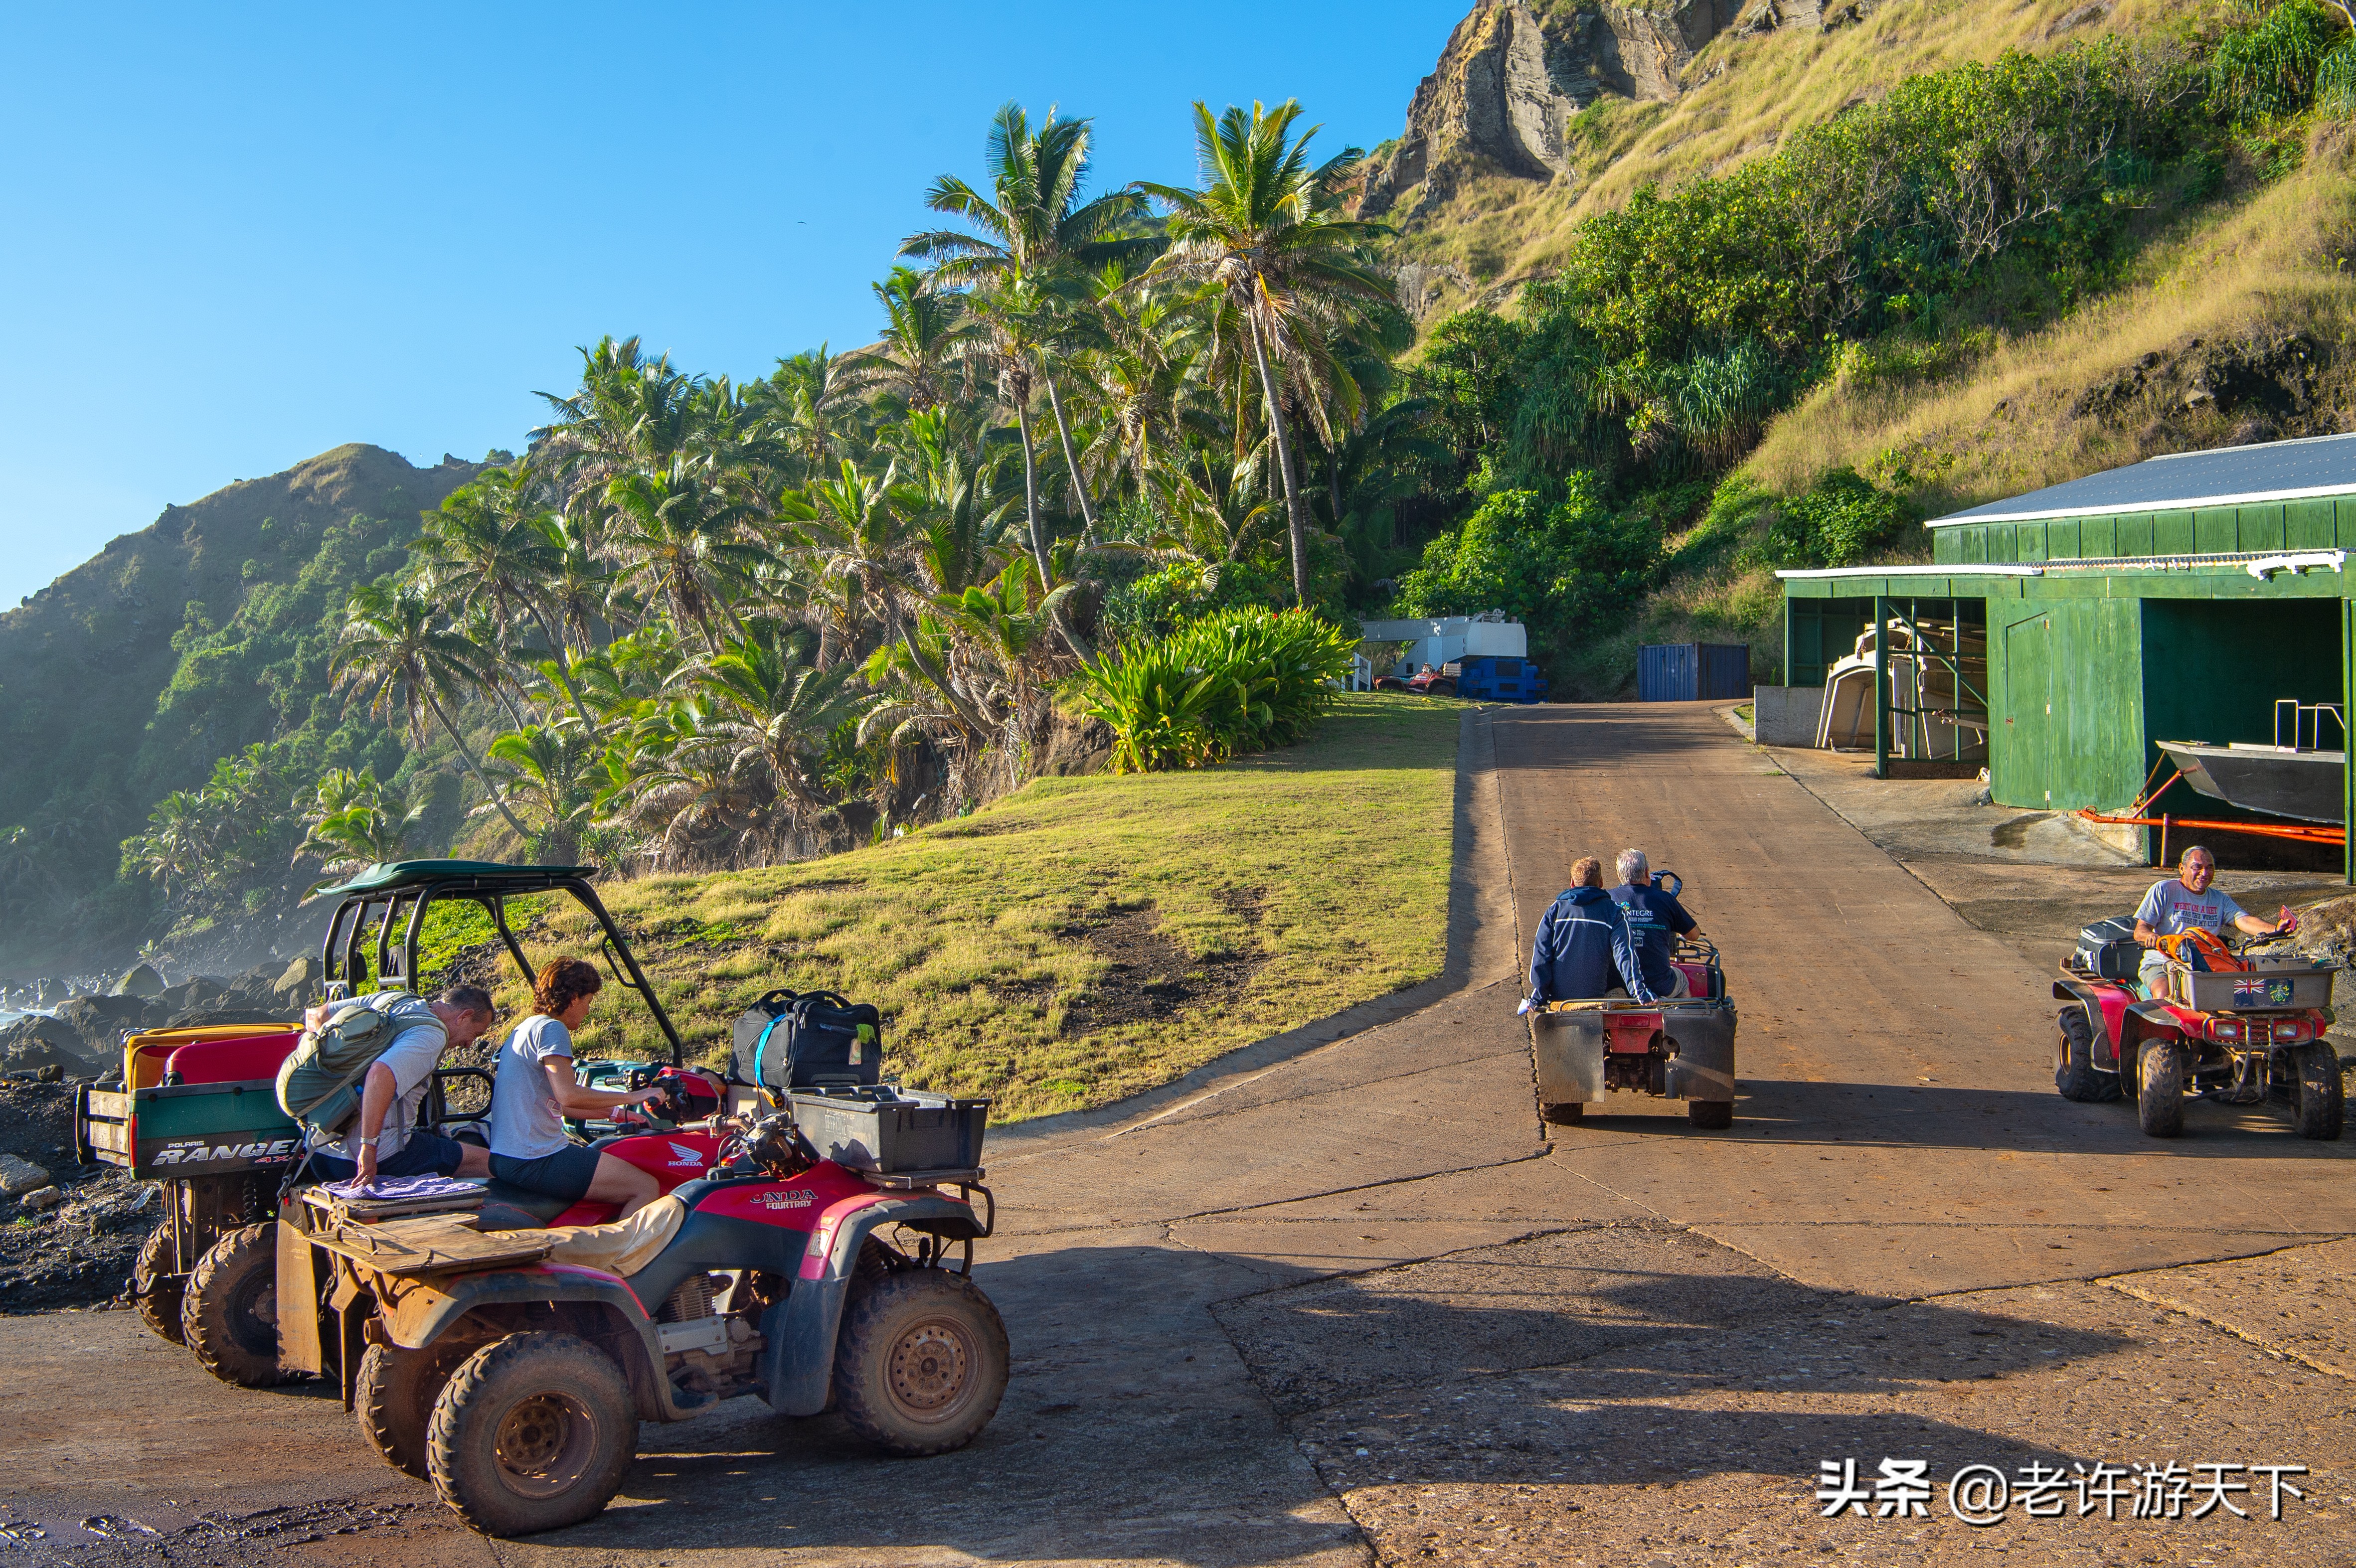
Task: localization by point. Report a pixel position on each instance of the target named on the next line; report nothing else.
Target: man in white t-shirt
(386, 1139)
(2187, 901)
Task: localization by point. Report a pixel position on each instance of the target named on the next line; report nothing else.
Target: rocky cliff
(1514, 75)
(1541, 112)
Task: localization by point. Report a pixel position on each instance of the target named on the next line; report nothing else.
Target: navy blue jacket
(1583, 950)
(1655, 921)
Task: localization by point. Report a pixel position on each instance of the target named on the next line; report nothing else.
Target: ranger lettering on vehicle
(276, 1150)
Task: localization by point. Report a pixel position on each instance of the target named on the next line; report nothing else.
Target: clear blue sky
(239, 235)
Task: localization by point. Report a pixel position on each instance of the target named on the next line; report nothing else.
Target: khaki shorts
(1683, 990)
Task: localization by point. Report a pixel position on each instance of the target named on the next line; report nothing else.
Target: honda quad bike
(512, 1367)
(198, 1112)
(2245, 1035)
(1680, 1048)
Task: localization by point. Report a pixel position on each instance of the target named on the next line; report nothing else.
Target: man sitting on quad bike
(387, 1141)
(2187, 903)
(535, 1090)
(1583, 950)
(1656, 922)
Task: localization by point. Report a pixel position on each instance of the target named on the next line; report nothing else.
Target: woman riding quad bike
(512, 1367)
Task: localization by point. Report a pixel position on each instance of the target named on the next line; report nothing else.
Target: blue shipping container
(1693, 672)
(1497, 677)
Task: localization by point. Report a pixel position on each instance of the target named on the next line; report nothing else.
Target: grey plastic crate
(2269, 987)
(889, 1130)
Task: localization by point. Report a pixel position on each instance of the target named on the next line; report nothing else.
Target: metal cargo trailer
(1693, 672)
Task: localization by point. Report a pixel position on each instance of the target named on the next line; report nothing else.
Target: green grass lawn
(1085, 938)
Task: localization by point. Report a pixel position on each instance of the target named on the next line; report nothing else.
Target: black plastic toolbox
(881, 1127)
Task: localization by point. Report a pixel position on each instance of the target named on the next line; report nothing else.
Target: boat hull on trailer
(2276, 780)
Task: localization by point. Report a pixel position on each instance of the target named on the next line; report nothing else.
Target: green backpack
(320, 1082)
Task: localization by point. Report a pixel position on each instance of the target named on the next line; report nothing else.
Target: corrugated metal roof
(2229, 477)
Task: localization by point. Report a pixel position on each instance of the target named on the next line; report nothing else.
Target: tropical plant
(1268, 231)
(1241, 680)
(355, 822)
(395, 650)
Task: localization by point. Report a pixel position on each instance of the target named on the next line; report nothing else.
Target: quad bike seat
(534, 1208)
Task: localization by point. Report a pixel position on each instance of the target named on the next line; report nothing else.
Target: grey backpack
(320, 1082)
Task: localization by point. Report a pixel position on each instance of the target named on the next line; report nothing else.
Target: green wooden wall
(2326, 524)
(2065, 702)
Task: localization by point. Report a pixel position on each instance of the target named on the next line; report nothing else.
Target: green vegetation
(1241, 680)
(1237, 902)
(1889, 247)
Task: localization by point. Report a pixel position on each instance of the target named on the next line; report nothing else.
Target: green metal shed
(2175, 599)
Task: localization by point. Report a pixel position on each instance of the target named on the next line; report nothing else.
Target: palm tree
(177, 843)
(495, 541)
(674, 535)
(779, 708)
(394, 648)
(1268, 230)
(810, 407)
(926, 338)
(552, 766)
(355, 823)
(1029, 245)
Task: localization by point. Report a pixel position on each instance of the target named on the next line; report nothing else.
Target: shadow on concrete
(1194, 1407)
(1935, 1116)
(1134, 1446)
(1592, 1303)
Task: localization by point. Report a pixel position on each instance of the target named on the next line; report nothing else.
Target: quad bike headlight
(2288, 1029)
(2225, 1028)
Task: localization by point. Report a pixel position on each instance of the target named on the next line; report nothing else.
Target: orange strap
(2219, 958)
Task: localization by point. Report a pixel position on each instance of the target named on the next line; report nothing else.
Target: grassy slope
(1743, 95)
(1328, 862)
(2271, 261)
(2274, 260)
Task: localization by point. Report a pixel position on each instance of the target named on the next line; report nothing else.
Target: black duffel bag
(801, 1039)
(2108, 950)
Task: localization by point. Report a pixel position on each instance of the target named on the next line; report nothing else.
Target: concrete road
(1358, 1303)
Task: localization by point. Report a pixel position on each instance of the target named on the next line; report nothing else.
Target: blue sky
(239, 235)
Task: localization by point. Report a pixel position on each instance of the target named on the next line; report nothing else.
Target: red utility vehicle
(2249, 1037)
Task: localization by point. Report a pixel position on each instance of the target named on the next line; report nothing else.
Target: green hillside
(1826, 272)
(174, 646)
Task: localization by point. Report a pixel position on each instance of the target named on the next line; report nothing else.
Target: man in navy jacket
(1583, 948)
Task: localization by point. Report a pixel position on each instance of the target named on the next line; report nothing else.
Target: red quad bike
(1674, 1049)
(197, 1113)
(512, 1367)
(2244, 1038)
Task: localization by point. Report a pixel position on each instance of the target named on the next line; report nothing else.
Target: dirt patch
(1151, 975)
(78, 1251)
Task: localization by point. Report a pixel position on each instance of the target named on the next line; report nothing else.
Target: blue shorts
(425, 1154)
(565, 1174)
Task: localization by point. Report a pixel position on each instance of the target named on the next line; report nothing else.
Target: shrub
(1559, 570)
(1241, 680)
(1157, 602)
(1837, 522)
(2274, 66)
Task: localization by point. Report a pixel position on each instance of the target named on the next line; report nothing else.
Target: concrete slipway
(1344, 1298)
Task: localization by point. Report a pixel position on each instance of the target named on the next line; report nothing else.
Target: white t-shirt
(411, 1057)
(526, 1121)
(2173, 908)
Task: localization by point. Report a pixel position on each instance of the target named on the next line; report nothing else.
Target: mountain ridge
(118, 680)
